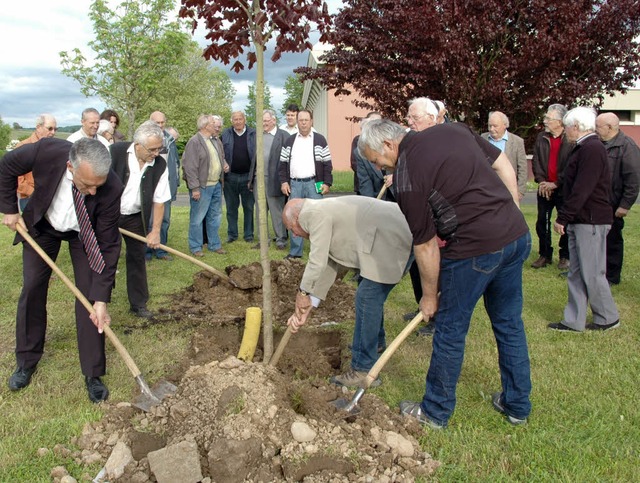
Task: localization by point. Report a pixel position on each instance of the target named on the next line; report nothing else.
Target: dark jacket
(586, 185)
(47, 159)
(227, 142)
(321, 155)
(624, 163)
(273, 176)
(148, 183)
(540, 160)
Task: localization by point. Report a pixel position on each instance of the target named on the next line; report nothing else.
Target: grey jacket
(196, 161)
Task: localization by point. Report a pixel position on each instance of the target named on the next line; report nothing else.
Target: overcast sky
(33, 33)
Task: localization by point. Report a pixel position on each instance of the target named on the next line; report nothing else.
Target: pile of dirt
(235, 421)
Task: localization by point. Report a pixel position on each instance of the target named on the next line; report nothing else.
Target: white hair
(583, 117)
(426, 106)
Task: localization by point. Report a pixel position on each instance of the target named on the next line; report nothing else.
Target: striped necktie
(87, 235)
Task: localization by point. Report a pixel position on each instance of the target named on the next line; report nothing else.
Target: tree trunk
(261, 199)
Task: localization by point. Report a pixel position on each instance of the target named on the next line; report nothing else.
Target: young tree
(250, 110)
(5, 135)
(243, 27)
(293, 88)
(134, 46)
(191, 88)
(480, 55)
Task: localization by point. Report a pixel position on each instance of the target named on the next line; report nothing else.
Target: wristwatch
(303, 292)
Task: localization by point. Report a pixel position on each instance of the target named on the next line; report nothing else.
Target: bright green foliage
(5, 134)
(250, 110)
(293, 88)
(134, 45)
(191, 88)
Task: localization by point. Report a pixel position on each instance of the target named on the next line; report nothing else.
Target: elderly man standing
(624, 163)
(273, 139)
(509, 144)
(239, 143)
(146, 190)
(586, 218)
(471, 203)
(77, 200)
(354, 232)
(46, 127)
(204, 165)
(305, 169)
(550, 154)
(170, 154)
(90, 122)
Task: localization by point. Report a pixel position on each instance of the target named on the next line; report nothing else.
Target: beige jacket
(354, 232)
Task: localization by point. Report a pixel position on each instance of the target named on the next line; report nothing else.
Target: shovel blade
(152, 397)
(346, 406)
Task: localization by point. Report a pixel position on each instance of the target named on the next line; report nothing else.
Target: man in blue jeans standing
(451, 183)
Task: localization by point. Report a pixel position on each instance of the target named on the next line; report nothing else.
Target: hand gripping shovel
(351, 406)
(182, 255)
(147, 398)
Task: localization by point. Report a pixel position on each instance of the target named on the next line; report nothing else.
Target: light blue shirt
(501, 143)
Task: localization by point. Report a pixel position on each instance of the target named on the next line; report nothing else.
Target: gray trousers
(275, 205)
(587, 281)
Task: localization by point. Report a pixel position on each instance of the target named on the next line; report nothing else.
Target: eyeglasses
(416, 118)
(549, 118)
(153, 150)
(51, 128)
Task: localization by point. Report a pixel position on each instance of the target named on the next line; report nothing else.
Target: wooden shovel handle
(175, 252)
(382, 191)
(107, 330)
(386, 355)
(283, 343)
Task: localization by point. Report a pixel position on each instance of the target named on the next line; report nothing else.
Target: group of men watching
(468, 240)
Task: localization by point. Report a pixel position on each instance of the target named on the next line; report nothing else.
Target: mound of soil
(235, 421)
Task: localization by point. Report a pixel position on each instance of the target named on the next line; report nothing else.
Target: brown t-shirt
(446, 186)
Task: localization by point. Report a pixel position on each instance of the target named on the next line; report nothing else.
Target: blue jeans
(164, 232)
(368, 333)
(497, 277)
(209, 209)
(236, 189)
(301, 189)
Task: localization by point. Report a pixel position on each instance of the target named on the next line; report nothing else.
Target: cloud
(34, 33)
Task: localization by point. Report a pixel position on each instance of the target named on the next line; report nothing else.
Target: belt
(310, 178)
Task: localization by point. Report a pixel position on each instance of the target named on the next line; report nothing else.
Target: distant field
(21, 134)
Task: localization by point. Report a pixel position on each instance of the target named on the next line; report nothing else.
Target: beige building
(331, 113)
(627, 108)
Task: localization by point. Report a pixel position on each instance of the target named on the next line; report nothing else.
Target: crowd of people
(448, 215)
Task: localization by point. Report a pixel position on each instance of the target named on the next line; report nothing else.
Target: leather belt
(310, 178)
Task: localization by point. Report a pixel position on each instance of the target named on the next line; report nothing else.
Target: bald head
(159, 118)
(607, 126)
(290, 215)
(498, 124)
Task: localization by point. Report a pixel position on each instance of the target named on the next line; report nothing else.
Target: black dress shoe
(292, 257)
(143, 312)
(98, 392)
(21, 378)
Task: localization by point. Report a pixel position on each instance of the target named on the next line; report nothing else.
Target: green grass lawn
(585, 424)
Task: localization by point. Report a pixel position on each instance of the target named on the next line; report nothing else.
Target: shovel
(350, 407)
(283, 343)
(182, 255)
(147, 398)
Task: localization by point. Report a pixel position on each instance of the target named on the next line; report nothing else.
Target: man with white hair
(624, 162)
(90, 122)
(586, 217)
(509, 144)
(146, 190)
(46, 127)
(423, 113)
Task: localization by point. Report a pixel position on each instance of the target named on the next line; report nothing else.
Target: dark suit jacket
(47, 159)
(273, 177)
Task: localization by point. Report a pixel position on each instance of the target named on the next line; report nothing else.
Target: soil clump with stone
(236, 421)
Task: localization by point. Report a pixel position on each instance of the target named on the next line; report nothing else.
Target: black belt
(310, 178)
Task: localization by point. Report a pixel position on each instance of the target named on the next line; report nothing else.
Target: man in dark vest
(146, 189)
(239, 143)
